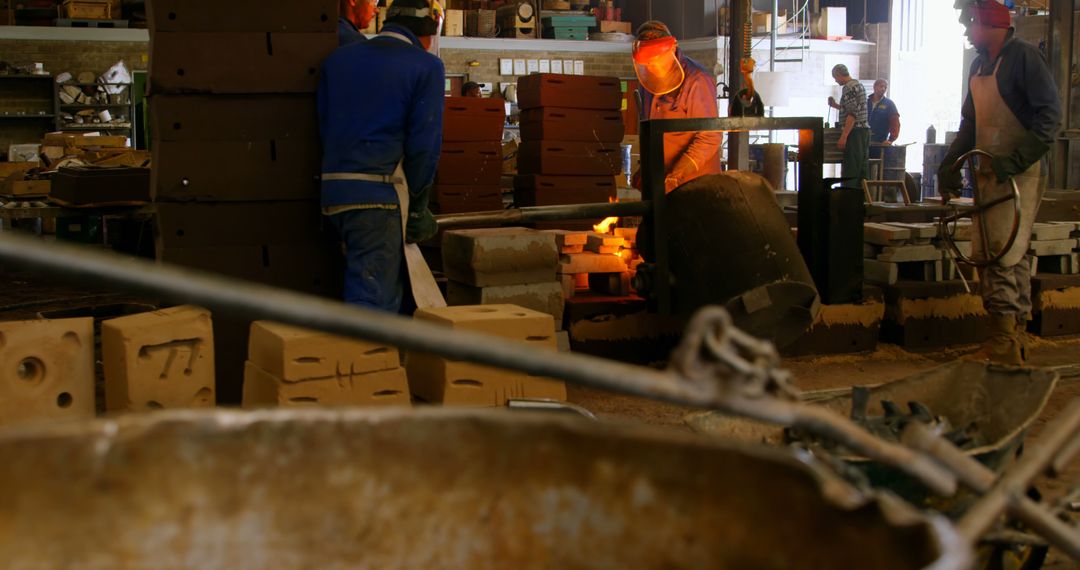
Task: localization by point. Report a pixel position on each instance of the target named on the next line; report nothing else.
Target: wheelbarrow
(435, 488)
(1000, 402)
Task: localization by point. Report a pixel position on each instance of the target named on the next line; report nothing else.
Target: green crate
(569, 22)
(79, 229)
(566, 33)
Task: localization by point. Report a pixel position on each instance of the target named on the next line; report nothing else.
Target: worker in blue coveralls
(355, 15)
(380, 116)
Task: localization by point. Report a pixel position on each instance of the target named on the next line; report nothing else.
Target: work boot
(1004, 345)
(1024, 336)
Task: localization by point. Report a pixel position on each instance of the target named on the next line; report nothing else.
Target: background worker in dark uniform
(355, 15)
(673, 86)
(884, 119)
(472, 89)
(855, 136)
(1013, 112)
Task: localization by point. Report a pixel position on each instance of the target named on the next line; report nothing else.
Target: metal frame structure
(811, 184)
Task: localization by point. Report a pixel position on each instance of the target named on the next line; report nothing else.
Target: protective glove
(949, 180)
(421, 226)
(1027, 153)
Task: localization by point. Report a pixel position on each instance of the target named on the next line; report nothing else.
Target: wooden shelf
(97, 127)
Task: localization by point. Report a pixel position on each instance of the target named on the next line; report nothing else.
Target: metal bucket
(731, 245)
(1003, 402)
(433, 489)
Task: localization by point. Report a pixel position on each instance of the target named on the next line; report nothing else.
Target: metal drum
(731, 245)
(895, 162)
(434, 489)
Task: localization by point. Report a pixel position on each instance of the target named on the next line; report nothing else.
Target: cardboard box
(186, 62)
(480, 23)
(16, 168)
(570, 91)
(607, 26)
(471, 119)
(248, 118)
(208, 225)
(569, 158)
(23, 152)
(46, 370)
(79, 141)
(223, 171)
(384, 388)
(449, 199)
(454, 25)
(86, 10)
(762, 22)
(84, 186)
(26, 188)
(316, 269)
(476, 163)
(242, 16)
(560, 124)
(544, 190)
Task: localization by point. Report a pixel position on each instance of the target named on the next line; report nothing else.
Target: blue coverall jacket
(380, 102)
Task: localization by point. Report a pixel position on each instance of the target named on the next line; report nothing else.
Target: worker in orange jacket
(673, 86)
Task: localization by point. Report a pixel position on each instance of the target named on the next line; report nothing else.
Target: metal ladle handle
(980, 208)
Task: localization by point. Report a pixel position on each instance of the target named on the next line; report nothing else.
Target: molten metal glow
(604, 227)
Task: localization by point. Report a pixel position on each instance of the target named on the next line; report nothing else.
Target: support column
(738, 143)
(1062, 62)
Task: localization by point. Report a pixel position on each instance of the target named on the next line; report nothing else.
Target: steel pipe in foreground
(544, 214)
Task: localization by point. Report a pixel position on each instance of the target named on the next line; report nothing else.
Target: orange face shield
(656, 63)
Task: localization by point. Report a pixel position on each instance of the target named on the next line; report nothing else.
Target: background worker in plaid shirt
(855, 138)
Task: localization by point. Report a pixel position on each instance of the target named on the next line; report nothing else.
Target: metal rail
(543, 214)
(254, 301)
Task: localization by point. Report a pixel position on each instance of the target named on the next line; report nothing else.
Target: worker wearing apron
(1012, 112)
(380, 117)
(674, 86)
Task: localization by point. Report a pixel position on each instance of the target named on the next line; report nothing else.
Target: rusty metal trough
(433, 489)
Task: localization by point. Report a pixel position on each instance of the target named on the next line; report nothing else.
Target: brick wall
(75, 56)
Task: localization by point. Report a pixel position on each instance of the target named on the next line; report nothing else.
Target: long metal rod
(981, 479)
(254, 301)
(1038, 456)
(543, 214)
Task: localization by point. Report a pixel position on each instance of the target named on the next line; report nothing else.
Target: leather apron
(999, 132)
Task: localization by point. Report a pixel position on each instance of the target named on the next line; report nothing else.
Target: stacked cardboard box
(290, 366)
(438, 380)
(236, 148)
(571, 130)
(470, 166)
(503, 266)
